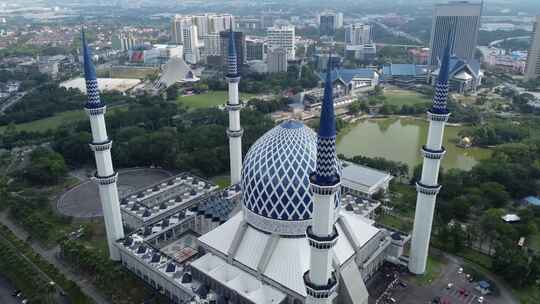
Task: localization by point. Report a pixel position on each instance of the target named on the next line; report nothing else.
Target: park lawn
(209, 99)
(54, 121)
(404, 97)
(433, 271)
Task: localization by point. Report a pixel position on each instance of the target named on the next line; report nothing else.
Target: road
(11, 101)
(493, 43)
(6, 289)
(399, 33)
(50, 255)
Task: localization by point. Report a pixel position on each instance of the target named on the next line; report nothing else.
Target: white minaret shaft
(320, 280)
(101, 145)
(428, 186)
(235, 131)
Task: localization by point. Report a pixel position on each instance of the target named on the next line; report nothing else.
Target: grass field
(223, 181)
(433, 271)
(403, 97)
(209, 99)
(53, 122)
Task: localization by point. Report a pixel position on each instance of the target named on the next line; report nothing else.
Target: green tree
(46, 167)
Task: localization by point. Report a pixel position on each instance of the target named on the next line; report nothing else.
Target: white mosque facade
(292, 230)
(260, 254)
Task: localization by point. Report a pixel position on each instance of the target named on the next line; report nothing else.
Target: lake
(400, 139)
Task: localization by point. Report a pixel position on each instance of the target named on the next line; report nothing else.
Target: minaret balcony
(426, 189)
(318, 189)
(322, 242)
(234, 107)
(233, 78)
(433, 154)
(106, 180)
(99, 147)
(92, 110)
(438, 117)
(320, 291)
(235, 133)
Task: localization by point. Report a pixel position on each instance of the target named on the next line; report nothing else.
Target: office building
(327, 23)
(277, 60)
(283, 37)
(212, 46)
(358, 34)
(533, 58)
(254, 49)
(240, 45)
(464, 18)
(191, 44)
(123, 41)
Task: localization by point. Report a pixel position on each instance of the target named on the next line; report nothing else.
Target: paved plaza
(82, 201)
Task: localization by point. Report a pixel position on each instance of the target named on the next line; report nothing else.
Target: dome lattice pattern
(275, 179)
(275, 175)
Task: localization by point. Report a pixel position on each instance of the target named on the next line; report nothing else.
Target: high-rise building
(206, 23)
(254, 49)
(212, 46)
(277, 60)
(240, 46)
(283, 37)
(327, 24)
(191, 44)
(123, 41)
(194, 31)
(177, 28)
(358, 34)
(533, 58)
(433, 152)
(464, 17)
(101, 145)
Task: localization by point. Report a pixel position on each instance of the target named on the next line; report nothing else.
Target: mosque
(287, 231)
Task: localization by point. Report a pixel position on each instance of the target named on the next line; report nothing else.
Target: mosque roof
(401, 69)
(275, 179)
(347, 75)
(283, 259)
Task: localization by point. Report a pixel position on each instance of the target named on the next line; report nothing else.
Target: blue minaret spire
(441, 89)
(232, 60)
(433, 152)
(101, 145)
(320, 280)
(326, 142)
(92, 90)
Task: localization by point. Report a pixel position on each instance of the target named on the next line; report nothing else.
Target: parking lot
(453, 286)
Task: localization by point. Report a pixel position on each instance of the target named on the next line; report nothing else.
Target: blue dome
(275, 179)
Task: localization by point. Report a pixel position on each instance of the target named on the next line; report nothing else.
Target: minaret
(235, 131)
(105, 176)
(320, 280)
(428, 188)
